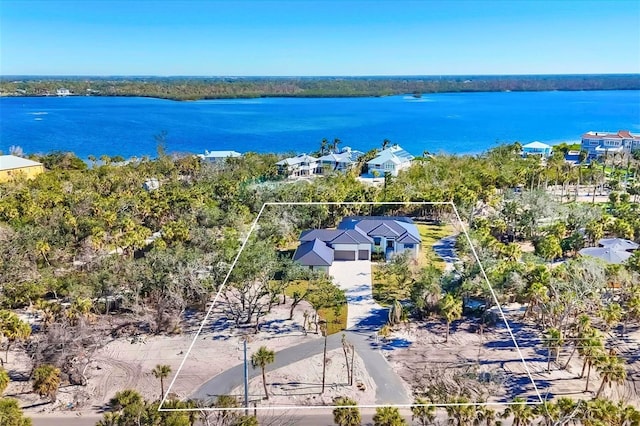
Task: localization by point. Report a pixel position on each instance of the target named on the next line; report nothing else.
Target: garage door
(363, 254)
(344, 255)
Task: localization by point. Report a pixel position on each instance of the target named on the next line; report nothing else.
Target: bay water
(449, 122)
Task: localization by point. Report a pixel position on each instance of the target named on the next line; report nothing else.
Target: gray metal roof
(618, 244)
(395, 154)
(335, 236)
(384, 226)
(9, 162)
(606, 254)
(299, 159)
(314, 253)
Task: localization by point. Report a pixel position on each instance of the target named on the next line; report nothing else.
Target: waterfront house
(598, 144)
(356, 238)
(302, 165)
(390, 160)
(537, 148)
(63, 92)
(218, 156)
(341, 161)
(11, 167)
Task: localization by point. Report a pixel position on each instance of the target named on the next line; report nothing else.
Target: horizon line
(315, 76)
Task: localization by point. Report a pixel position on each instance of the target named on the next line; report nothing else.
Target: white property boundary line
(303, 407)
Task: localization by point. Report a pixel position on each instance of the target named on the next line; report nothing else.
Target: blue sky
(330, 37)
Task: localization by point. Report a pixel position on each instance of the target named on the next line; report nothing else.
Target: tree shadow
(377, 318)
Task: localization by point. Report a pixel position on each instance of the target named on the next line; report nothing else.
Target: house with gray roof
(338, 161)
(390, 160)
(356, 238)
(315, 254)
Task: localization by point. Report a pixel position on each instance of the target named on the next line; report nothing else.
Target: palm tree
(4, 380)
(632, 308)
(461, 412)
(611, 314)
(261, 359)
(581, 330)
(160, 372)
(537, 293)
(323, 146)
(334, 145)
(46, 380)
(80, 308)
(11, 414)
(385, 143)
(485, 415)
(346, 413)
(522, 413)
(13, 328)
(590, 348)
(552, 340)
(450, 309)
(423, 412)
(611, 369)
(388, 416)
(549, 412)
(125, 398)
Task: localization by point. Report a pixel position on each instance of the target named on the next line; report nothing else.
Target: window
(408, 246)
(376, 241)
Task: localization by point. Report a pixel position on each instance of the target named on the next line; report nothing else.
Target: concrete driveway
(354, 277)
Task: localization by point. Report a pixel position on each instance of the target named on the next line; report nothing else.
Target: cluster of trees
(78, 243)
(462, 412)
(248, 87)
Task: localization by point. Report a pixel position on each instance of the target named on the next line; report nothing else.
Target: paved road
(308, 418)
(365, 318)
(390, 389)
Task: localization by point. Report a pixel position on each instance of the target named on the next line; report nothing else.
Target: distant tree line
(192, 88)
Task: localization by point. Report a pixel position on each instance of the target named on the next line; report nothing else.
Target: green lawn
(430, 234)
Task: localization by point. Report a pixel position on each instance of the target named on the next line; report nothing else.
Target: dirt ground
(489, 367)
(125, 363)
(485, 363)
(301, 383)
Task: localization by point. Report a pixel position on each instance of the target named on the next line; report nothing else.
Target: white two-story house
(390, 160)
(299, 166)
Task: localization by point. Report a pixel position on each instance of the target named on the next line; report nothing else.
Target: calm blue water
(454, 123)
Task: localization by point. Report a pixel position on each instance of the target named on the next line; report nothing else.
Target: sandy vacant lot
(127, 362)
(490, 367)
(300, 383)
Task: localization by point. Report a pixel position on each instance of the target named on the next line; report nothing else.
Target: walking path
(445, 248)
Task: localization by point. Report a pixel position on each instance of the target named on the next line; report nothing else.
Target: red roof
(622, 134)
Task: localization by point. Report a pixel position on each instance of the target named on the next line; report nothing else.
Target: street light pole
(246, 379)
(323, 328)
